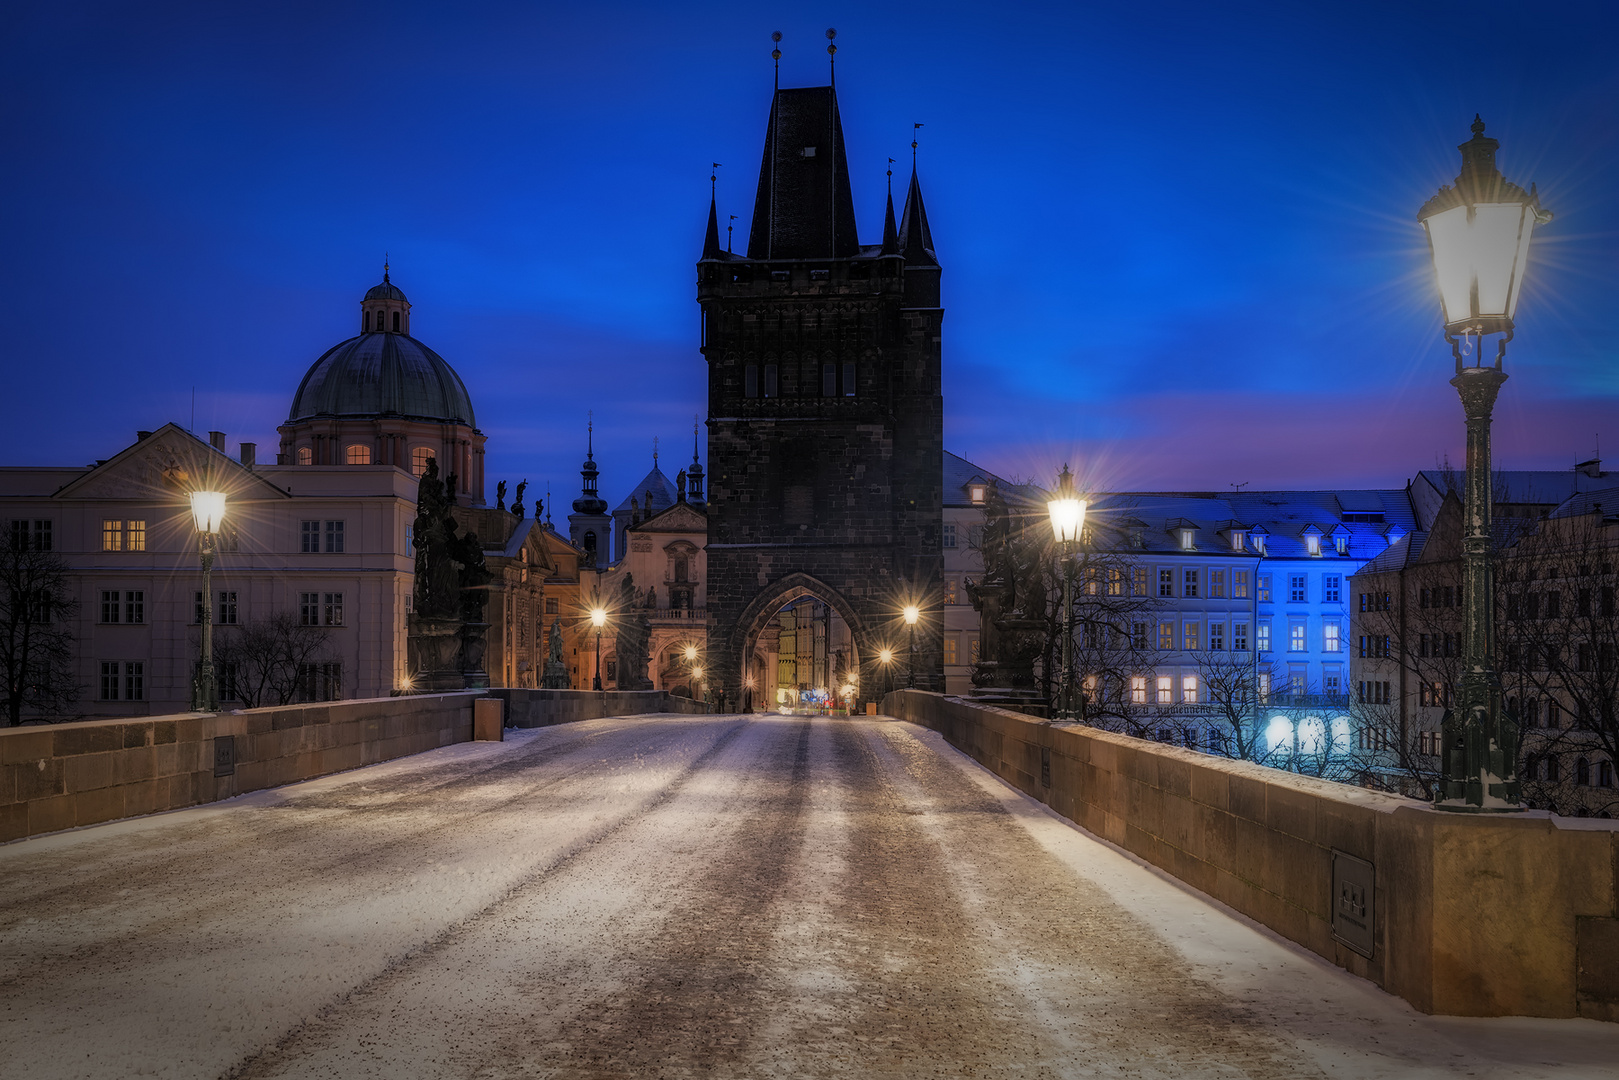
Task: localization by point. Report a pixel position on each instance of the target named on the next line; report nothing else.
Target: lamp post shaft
(597, 683)
(1065, 686)
(910, 673)
(1480, 740)
(205, 695)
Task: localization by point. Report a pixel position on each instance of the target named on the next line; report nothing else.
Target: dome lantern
(385, 309)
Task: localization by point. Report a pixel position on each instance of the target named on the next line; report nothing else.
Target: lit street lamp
(885, 657)
(598, 619)
(1478, 236)
(207, 513)
(912, 613)
(1067, 519)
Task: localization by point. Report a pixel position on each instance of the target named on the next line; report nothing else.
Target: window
(419, 457)
(1217, 636)
(1312, 543)
(1582, 772)
(1332, 684)
(1189, 689)
(750, 380)
(1187, 536)
(848, 380)
(949, 651)
(829, 380)
(1138, 689)
(770, 381)
(410, 540)
(1239, 636)
(311, 536)
(332, 609)
(228, 679)
(1332, 588)
(1262, 583)
(972, 650)
(1554, 770)
(1239, 584)
(37, 539)
(1166, 690)
(197, 608)
(950, 534)
(1115, 581)
(1295, 683)
(227, 608)
(1138, 635)
(109, 680)
(1189, 635)
(1295, 637)
(1259, 542)
(1190, 583)
(359, 455)
(1262, 636)
(1138, 581)
(551, 607)
(1237, 537)
(135, 606)
(121, 535)
(134, 680)
(1166, 635)
(306, 456)
(1217, 584)
(396, 322)
(1264, 687)
(1604, 774)
(977, 494)
(1166, 583)
(1331, 636)
(109, 605)
(309, 609)
(1342, 543)
(320, 682)
(334, 536)
(950, 591)
(1296, 590)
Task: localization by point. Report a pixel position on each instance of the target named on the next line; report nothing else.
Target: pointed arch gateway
(741, 646)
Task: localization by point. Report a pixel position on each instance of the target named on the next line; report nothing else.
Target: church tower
(826, 422)
(589, 525)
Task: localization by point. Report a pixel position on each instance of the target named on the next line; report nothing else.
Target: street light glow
(208, 510)
(1067, 510)
(598, 617)
(886, 656)
(912, 613)
(691, 653)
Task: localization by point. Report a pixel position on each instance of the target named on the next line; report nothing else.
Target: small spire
(832, 54)
(696, 427)
(654, 451)
(775, 54)
(915, 238)
(914, 129)
(385, 268)
(711, 238)
(890, 230)
(590, 434)
(728, 227)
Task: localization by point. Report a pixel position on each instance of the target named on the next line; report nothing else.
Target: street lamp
(1067, 519)
(207, 513)
(885, 657)
(1478, 236)
(912, 613)
(598, 619)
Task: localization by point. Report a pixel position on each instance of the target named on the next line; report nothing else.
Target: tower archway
(753, 649)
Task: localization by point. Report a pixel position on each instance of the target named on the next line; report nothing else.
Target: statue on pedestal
(556, 670)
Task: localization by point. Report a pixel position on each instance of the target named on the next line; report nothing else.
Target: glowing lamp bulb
(912, 613)
(598, 617)
(208, 510)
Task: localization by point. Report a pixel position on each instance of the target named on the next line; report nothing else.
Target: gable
(167, 466)
(680, 517)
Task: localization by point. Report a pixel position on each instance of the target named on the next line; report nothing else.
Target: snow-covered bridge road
(675, 896)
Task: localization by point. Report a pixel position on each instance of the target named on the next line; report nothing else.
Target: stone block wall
(542, 708)
(1472, 915)
(65, 775)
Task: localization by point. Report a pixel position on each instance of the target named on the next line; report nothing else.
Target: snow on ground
(676, 896)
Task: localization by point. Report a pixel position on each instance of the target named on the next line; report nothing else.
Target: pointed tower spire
(890, 231)
(694, 475)
(711, 239)
(915, 238)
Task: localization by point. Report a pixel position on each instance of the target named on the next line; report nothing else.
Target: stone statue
(1011, 602)
(475, 578)
(634, 631)
(500, 495)
(556, 670)
(517, 499)
(438, 585)
(995, 592)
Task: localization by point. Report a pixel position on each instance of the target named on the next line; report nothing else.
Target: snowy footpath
(676, 896)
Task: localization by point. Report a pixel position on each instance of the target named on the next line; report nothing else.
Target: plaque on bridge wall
(1352, 912)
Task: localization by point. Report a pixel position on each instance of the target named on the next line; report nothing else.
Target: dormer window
(1237, 537)
(1259, 543)
(1186, 539)
(1342, 543)
(976, 493)
(1312, 544)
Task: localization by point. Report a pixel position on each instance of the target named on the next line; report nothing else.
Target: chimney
(250, 454)
(1592, 468)
(142, 436)
(216, 439)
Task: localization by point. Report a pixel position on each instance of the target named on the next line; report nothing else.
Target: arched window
(359, 455)
(1554, 771)
(419, 457)
(590, 540)
(396, 322)
(1531, 768)
(680, 568)
(1604, 774)
(1582, 772)
(306, 456)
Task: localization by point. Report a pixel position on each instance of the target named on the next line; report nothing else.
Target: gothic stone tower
(826, 423)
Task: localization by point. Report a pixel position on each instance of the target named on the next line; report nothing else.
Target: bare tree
(264, 660)
(37, 651)
(1237, 699)
(1557, 605)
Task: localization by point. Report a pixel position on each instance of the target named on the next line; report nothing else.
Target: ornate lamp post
(912, 614)
(598, 619)
(207, 513)
(885, 657)
(1478, 235)
(1067, 519)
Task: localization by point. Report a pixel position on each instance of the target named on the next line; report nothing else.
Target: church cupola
(385, 309)
(589, 526)
(694, 474)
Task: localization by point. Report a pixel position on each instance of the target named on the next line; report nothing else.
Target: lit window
(1312, 544)
(1264, 686)
(949, 651)
(1239, 584)
(1189, 689)
(1262, 637)
(1217, 584)
(1138, 581)
(1331, 637)
(419, 457)
(306, 456)
(1237, 538)
(1186, 539)
(950, 591)
(112, 535)
(1166, 690)
(1166, 583)
(977, 494)
(1295, 637)
(1166, 635)
(1262, 583)
(1342, 543)
(1138, 689)
(1239, 636)
(1259, 543)
(359, 455)
(1190, 635)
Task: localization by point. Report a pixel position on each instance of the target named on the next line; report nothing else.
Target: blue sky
(1179, 240)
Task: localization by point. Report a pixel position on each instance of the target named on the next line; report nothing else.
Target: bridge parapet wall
(1472, 915)
(63, 775)
(542, 708)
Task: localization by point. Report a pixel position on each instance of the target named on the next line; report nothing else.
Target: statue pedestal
(1008, 686)
(474, 643)
(435, 653)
